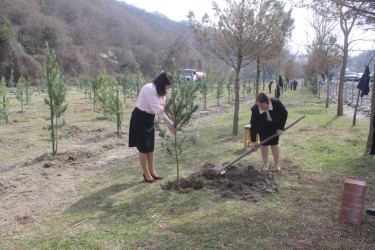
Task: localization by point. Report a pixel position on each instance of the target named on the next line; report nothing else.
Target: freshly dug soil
(245, 184)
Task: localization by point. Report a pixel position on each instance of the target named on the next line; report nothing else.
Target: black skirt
(142, 131)
(268, 130)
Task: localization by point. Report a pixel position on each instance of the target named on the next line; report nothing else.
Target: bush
(4, 29)
(28, 46)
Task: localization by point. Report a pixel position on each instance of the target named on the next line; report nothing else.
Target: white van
(191, 74)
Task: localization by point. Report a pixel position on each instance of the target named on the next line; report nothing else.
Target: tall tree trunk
(340, 96)
(370, 135)
(258, 76)
(237, 100)
(263, 75)
(328, 83)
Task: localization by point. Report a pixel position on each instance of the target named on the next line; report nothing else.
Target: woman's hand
(279, 132)
(171, 128)
(254, 146)
(169, 125)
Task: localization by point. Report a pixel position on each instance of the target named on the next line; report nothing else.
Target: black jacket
(259, 123)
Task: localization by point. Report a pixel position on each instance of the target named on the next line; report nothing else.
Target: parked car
(351, 76)
(190, 74)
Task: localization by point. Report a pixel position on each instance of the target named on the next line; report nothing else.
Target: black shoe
(370, 211)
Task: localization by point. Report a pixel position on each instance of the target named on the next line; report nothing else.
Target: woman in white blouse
(151, 101)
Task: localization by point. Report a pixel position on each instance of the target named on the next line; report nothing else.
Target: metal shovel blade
(220, 168)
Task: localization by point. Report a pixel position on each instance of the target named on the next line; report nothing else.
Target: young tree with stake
(179, 108)
(56, 96)
(4, 107)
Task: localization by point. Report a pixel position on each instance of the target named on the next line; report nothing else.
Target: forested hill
(88, 35)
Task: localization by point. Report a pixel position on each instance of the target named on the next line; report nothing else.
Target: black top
(259, 123)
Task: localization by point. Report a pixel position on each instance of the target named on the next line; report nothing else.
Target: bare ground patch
(40, 183)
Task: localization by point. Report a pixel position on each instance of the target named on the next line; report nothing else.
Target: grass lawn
(118, 211)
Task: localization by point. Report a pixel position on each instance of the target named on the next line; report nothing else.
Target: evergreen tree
(56, 96)
(95, 85)
(28, 90)
(157, 67)
(219, 89)
(103, 93)
(115, 107)
(21, 91)
(11, 82)
(138, 80)
(244, 88)
(204, 88)
(4, 107)
(125, 82)
(179, 108)
(40, 85)
(229, 86)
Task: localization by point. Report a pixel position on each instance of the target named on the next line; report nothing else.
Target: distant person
(151, 101)
(278, 86)
(268, 117)
(270, 86)
(295, 83)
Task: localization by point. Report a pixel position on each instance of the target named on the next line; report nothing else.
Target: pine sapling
(4, 107)
(21, 91)
(28, 91)
(57, 89)
(229, 86)
(179, 108)
(204, 88)
(219, 89)
(11, 82)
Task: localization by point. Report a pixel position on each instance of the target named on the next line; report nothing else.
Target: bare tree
(347, 19)
(238, 35)
(325, 48)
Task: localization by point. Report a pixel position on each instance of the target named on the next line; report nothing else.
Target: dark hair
(160, 82)
(262, 97)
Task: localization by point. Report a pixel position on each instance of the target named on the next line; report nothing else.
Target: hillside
(88, 35)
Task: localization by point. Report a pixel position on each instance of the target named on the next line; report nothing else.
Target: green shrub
(4, 29)
(28, 46)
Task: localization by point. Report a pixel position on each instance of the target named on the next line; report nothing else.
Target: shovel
(222, 169)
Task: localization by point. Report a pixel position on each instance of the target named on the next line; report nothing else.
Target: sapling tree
(219, 88)
(244, 88)
(95, 85)
(114, 107)
(21, 91)
(4, 106)
(229, 86)
(57, 89)
(204, 87)
(157, 67)
(125, 83)
(28, 91)
(11, 82)
(102, 93)
(40, 85)
(179, 108)
(138, 79)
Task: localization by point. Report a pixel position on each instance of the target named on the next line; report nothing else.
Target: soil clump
(237, 183)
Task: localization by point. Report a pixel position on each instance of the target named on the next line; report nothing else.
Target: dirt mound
(245, 184)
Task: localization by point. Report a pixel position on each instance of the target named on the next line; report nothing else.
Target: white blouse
(149, 101)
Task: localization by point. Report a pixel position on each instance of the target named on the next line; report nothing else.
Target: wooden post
(355, 109)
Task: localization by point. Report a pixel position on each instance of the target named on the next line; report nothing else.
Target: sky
(178, 10)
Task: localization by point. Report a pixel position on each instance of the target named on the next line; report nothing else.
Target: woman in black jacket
(268, 116)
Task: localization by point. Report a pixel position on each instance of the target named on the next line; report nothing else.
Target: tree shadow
(101, 200)
(331, 121)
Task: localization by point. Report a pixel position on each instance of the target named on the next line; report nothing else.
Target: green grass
(118, 210)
